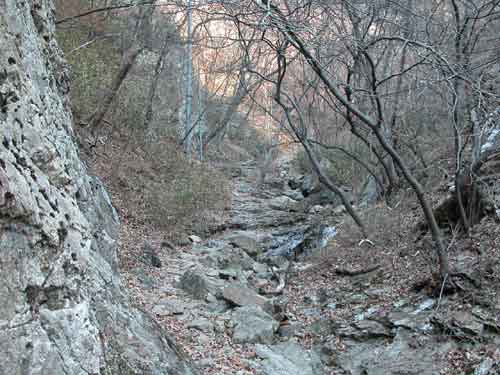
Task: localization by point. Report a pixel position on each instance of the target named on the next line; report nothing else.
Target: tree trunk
(230, 111)
(134, 49)
(325, 180)
(188, 109)
(148, 115)
(127, 62)
(417, 188)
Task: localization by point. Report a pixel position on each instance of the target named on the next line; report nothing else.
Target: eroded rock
(63, 310)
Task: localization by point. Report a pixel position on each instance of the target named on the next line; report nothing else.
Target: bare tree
(133, 48)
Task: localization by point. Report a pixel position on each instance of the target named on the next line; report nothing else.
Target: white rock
(195, 239)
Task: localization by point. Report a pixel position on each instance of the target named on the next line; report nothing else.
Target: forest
(248, 187)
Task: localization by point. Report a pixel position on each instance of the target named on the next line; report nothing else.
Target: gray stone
(366, 313)
(364, 330)
(206, 362)
(340, 209)
(406, 354)
(418, 323)
(310, 184)
(202, 325)
(194, 283)
(295, 182)
(246, 243)
(227, 258)
(465, 321)
(194, 238)
(231, 275)
(261, 268)
(423, 306)
(321, 327)
(169, 307)
(64, 309)
(327, 351)
(492, 143)
(484, 367)
(288, 358)
(149, 255)
(295, 195)
(283, 203)
(242, 296)
(210, 298)
(290, 330)
(252, 325)
(316, 209)
(218, 307)
(183, 241)
(144, 276)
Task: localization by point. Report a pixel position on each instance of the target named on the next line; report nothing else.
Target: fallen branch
(347, 272)
(100, 10)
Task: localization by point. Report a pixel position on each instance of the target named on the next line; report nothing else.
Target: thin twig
(441, 292)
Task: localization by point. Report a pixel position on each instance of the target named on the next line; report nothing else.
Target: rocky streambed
(240, 302)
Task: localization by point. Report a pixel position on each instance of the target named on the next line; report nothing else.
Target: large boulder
(240, 295)
(287, 358)
(195, 283)
(252, 325)
(64, 309)
(227, 257)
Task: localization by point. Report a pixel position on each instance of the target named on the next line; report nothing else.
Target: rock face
(63, 310)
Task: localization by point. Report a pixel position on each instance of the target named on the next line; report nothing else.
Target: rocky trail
(253, 299)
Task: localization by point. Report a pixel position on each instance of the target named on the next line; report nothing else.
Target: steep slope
(63, 310)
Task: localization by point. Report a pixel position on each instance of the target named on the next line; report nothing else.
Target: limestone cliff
(62, 310)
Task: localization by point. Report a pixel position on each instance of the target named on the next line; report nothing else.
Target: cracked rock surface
(63, 310)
